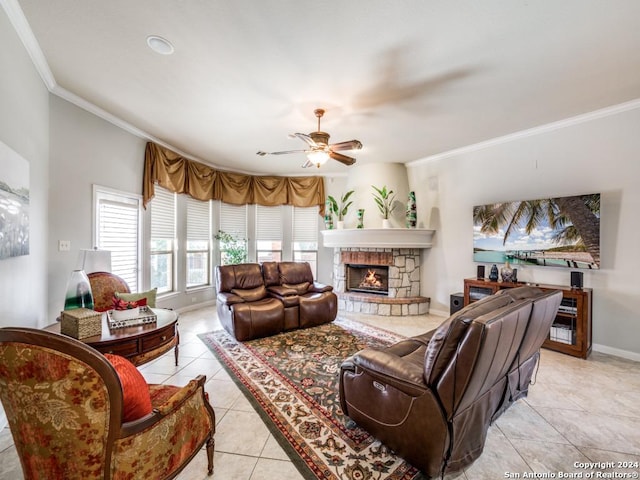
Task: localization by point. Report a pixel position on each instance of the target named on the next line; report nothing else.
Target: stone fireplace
(377, 271)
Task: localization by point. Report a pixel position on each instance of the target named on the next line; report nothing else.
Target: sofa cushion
(135, 391)
(244, 276)
(251, 294)
(270, 273)
(300, 288)
(295, 272)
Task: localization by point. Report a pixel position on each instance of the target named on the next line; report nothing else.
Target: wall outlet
(64, 245)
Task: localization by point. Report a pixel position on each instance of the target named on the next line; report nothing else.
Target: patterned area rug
(292, 380)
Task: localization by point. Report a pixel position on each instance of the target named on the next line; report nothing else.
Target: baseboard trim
(439, 313)
(210, 303)
(616, 352)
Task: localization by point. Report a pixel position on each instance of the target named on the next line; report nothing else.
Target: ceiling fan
(319, 150)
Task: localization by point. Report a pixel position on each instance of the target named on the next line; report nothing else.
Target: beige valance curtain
(178, 174)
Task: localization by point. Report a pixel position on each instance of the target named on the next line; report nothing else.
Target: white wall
(85, 150)
(336, 187)
(599, 155)
(24, 127)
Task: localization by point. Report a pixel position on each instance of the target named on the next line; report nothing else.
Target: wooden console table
(571, 329)
(139, 344)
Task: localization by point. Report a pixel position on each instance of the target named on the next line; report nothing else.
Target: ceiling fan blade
(305, 138)
(349, 145)
(342, 158)
(262, 154)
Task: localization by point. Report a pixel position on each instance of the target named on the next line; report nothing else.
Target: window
(305, 236)
(233, 222)
(198, 242)
(163, 233)
(268, 234)
(117, 229)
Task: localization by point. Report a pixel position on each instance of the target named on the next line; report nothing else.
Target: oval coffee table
(139, 344)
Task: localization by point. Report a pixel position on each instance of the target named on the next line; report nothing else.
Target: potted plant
(384, 200)
(340, 209)
(233, 249)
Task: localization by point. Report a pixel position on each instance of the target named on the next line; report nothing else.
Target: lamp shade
(94, 260)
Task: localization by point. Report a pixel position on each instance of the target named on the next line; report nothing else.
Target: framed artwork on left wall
(14, 204)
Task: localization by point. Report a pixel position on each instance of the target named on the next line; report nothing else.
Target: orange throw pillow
(137, 399)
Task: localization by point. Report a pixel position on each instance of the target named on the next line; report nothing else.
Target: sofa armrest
(389, 369)
(320, 287)
(280, 291)
(229, 298)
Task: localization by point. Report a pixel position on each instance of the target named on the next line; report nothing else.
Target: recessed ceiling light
(159, 45)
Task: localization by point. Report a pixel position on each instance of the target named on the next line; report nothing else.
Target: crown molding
(22, 28)
(549, 127)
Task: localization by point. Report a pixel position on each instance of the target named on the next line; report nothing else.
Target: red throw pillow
(137, 399)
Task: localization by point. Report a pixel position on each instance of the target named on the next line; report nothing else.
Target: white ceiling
(408, 78)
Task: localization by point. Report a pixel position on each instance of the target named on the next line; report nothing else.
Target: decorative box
(81, 323)
(145, 315)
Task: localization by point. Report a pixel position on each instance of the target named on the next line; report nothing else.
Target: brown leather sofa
(257, 301)
(307, 303)
(432, 397)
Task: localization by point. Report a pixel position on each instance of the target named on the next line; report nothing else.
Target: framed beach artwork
(549, 232)
(14, 204)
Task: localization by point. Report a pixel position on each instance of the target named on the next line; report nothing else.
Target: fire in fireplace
(368, 279)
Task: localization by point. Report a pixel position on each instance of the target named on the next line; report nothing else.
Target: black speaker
(480, 275)
(456, 302)
(576, 279)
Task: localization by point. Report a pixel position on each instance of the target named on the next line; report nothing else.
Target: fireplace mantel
(378, 237)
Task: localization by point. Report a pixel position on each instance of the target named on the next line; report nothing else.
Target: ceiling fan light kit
(319, 150)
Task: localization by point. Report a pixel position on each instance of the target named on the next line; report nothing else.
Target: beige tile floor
(577, 411)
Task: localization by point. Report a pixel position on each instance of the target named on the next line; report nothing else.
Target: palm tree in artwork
(575, 219)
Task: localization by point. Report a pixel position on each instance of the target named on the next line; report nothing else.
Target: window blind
(233, 219)
(268, 223)
(305, 224)
(117, 230)
(198, 219)
(163, 214)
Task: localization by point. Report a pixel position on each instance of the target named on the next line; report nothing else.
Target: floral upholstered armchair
(104, 286)
(66, 409)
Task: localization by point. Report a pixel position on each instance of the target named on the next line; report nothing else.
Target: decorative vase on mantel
(340, 224)
(412, 214)
(360, 215)
(386, 223)
(328, 218)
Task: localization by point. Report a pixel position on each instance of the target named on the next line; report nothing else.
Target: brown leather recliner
(431, 398)
(244, 308)
(307, 302)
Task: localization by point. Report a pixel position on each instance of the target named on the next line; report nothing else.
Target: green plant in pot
(384, 200)
(340, 209)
